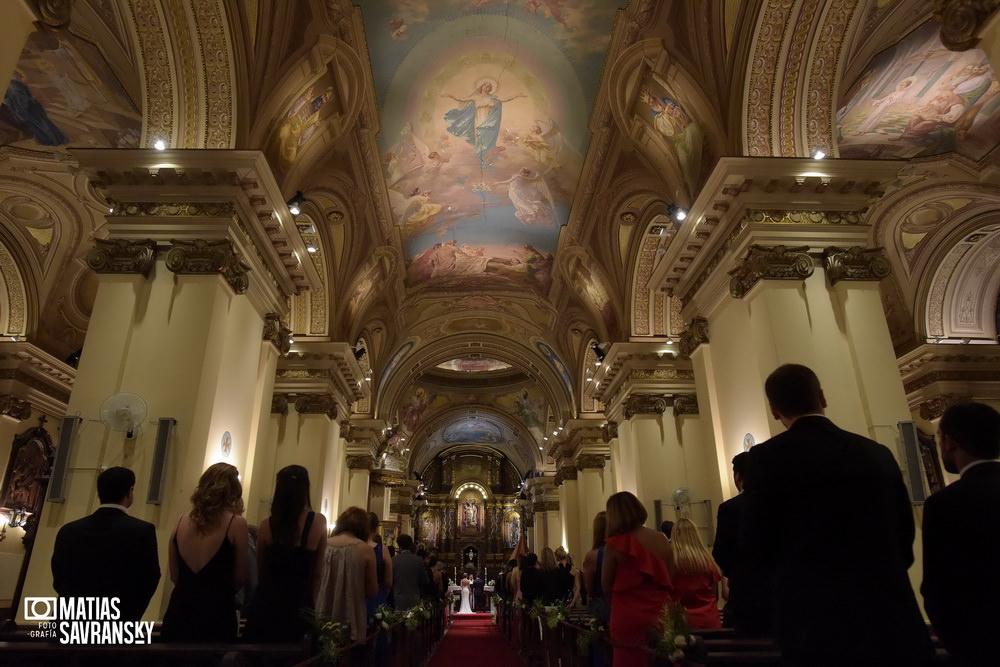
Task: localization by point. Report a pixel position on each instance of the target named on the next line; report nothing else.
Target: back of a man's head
(975, 427)
(404, 542)
(793, 390)
(113, 484)
(740, 462)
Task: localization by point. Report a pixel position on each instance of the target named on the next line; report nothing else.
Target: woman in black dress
(290, 547)
(208, 561)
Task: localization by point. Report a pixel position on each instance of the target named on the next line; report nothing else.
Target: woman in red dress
(634, 577)
(695, 577)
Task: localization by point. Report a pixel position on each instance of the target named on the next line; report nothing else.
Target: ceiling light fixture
(311, 248)
(295, 203)
(678, 213)
(160, 145)
(598, 352)
(819, 154)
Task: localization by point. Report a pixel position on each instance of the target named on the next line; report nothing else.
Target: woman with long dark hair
(290, 549)
(208, 560)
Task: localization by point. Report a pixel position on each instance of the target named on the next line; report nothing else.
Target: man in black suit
(827, 524)
(109, 553)
(478, 593)
(961, 585)
(725, 551)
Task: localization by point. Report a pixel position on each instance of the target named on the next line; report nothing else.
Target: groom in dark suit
(109, 553)
(828, 533)
(961, 585)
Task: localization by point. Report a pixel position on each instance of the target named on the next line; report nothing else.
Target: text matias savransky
(85, 620)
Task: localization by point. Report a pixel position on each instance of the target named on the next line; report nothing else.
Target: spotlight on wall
(819, 154)
(678, 213)
(598, 352)
(160, 145)
(295, 203)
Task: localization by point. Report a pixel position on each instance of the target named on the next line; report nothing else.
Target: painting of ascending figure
(478, 119)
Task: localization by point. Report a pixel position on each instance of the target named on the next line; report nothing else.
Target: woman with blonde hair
(208, 560)
(634, 577)
(695, 577)
(349, 575)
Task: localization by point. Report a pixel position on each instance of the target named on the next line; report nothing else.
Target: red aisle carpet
(474, 640)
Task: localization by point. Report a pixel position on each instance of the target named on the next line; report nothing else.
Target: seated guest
(531, 581)
(961, 544)
(593, 561)
(383, 567)
(348, 573)
(208, 561)
(109, 553)
(410, 575)
(635, 578)
(290, 548)
(695, 577)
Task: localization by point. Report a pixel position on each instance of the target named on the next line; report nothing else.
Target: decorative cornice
(695, 334)
(14, 407)
(364, 462)
(122, 256)
(645, 404)
(935, 407)
(201, 257)
(961, 21)
(140, 209)
(609, 431)
(590, 461)
(279, 404)
(661, 374)
(316, 404)
(855, 263)
(545, 506)
(277, 333)
(388, 478)
(775, 263)
(685, 404)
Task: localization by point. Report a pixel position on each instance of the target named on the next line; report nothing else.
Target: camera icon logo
(39, 609)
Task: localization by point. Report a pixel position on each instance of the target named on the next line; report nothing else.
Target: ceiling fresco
(484, 107)
(918, 98)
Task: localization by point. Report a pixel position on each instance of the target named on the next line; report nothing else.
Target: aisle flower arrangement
(673, 639)
(331, 636)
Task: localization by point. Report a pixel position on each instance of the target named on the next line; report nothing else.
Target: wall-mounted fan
(682, 499)
(123, 412)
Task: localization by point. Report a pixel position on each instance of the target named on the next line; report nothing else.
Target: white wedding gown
(466, 607)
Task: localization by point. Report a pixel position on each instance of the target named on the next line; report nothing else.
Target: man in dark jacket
(109, 553)
(961, 543)
(828, 531)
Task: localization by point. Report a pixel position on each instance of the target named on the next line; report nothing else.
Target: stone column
(355, 491)
(569, 511)
(649, 465)
(594, 486)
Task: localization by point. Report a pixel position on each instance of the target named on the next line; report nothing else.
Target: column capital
(316, 404)
(277, 332)
(609, 431)
(685, 404)
(14, 407)
(122, 256)
(279, 404)
(855, 263)
(933, 408)
(361, 462)
(565, 472)
(645, 404)
(591, 461)
(694, 335)
(388, 478)
(769, 263)
(201, 257)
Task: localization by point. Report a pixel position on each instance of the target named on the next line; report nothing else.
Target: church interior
(479, 264)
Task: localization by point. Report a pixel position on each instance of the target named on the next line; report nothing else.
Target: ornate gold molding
(786, 217)
(565, 473)
(14, 407)
(277, 333)
(388, 478)
(961, 21)
(316, 404)
(365, 462)
(685, 404)
(935, 407)
(590, 461)
(695, 334)
(122, 256)
(609, 431)
(855, 263)
(645, 404)
(763, 263)
(279, 404)
(200, 257)
(139, 209)
(545, 506)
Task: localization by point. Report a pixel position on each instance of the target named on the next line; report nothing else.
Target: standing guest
(290, 548)
(348, 575)
(503, 581)
(828, 527)
(109, 553)
(554, 584)
(434, 590)
(961, 544)
(531, 581)
(478, 591)
(383, 567)
(695, 576)
(634, 577)
(565, 577)
(667, 528)
(208, 560)
(593, 562)
(410, 575)
(725, 551)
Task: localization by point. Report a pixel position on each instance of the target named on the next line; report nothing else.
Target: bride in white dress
(466, 607)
